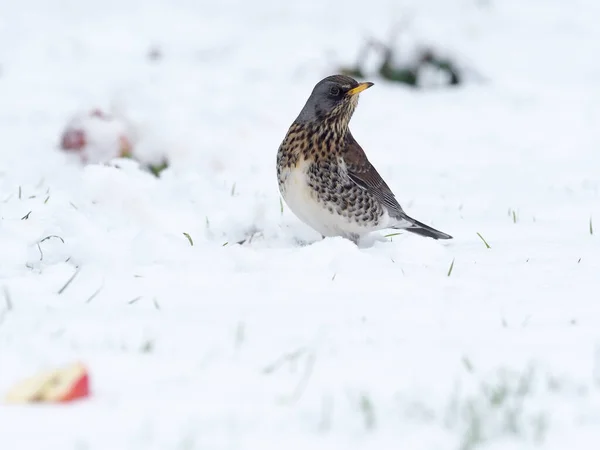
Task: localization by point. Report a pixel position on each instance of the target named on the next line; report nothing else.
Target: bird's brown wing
(362, 172)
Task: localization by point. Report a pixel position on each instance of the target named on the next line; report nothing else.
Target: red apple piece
(54, 386)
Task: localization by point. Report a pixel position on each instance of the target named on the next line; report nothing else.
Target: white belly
(303, 202)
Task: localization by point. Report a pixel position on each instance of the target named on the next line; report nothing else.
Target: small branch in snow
(95, 294)
(26, 216)
(52, 236)
(45, 239)
(69, 281)
(251, 234)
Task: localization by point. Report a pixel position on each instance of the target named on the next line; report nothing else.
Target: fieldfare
(324, 175)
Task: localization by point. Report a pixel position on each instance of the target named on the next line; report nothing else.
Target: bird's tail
(414, 226)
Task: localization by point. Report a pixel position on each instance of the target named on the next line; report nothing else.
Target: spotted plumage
(324, 175)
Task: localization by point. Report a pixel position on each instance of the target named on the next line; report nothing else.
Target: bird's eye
(334, 91)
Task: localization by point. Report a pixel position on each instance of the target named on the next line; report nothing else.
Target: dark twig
(69, 281)
(93, 296)
(52, 236)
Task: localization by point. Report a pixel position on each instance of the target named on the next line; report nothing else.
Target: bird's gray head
(333, 98)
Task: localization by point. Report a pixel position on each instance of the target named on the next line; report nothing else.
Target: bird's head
(333, 99)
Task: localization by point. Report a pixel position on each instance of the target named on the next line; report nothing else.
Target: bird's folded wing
(362, 172)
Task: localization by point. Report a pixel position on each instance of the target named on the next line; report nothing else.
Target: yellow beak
(358, 89)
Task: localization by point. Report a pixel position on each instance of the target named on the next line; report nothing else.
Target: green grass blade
(484, 241)
(189, 238)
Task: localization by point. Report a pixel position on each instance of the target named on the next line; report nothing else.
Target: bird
(325, 177)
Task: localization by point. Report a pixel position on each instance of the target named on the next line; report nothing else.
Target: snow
(290, 341)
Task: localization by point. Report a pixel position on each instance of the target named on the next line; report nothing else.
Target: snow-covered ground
(289, 341)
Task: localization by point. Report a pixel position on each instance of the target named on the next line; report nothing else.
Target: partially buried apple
(97, 137)
(60, 385)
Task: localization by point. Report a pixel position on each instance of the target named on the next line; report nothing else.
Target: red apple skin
(80, 389)
(125, 147)
(60, 385)
(78, 137)
(73, 140)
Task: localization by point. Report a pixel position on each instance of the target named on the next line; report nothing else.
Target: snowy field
(289, 341)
